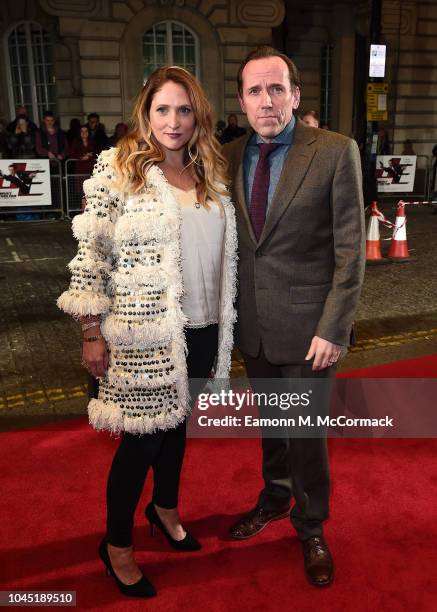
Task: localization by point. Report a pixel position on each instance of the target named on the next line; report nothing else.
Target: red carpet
(382, 529)
(420, 367)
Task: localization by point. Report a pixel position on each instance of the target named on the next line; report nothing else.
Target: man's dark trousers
(294, 467)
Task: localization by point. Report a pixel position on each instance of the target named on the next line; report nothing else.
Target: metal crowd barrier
(73, 187)
(56, 207)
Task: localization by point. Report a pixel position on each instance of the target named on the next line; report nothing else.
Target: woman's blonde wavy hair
(139, 149)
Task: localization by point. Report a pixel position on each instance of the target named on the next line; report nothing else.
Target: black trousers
(294, 467)
(162, 450)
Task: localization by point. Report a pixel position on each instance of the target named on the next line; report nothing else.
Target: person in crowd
(157, 219)
(97, 132)
(82, 149)
(121, 129)
(4, 141)
(383, 144)
(408, 148)
(219, 129)
(21, 143)
(51, 142)
(298, 195)
(310, 118)
(21, 113)
(232, 130)
(74, 132)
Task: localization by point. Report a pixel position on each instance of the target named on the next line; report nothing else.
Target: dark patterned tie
(260, 188)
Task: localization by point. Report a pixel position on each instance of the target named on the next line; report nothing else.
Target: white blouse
(202, 236)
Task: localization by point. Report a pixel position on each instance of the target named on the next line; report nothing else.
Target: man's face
(93, 122)
(11, 170)
(21, 110)
(267, 97)
(49, 122)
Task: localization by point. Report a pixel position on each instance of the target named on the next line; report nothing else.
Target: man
(21, 143)
(232, 130)
(298, 196)
(310, 118)
(21, 113)
(51, 142)
(97, 133)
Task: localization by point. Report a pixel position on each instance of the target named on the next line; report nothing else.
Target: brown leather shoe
(319, 566)
(254, 521)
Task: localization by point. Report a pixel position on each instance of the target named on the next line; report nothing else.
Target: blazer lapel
(240, 192)
(293, 172)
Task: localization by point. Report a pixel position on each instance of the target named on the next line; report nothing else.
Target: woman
(121, 129)
(82, 149)
(159, 225)
(74, 132)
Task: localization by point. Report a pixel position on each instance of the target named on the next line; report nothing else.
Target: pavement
(41, 378)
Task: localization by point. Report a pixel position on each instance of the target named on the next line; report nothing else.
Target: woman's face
(84, 132)
(172, 117)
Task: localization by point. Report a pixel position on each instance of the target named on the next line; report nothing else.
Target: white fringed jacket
(128, 269)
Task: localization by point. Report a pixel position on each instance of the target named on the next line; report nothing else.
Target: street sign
(377, 102)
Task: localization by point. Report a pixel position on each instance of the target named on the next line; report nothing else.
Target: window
(170, 43)
(326, 84)
(31, 74)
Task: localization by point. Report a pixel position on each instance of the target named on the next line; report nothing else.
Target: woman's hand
(95, 357)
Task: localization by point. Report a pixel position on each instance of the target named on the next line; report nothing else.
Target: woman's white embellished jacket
(128, 269)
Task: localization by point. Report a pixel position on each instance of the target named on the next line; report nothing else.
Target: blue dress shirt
(276, 160)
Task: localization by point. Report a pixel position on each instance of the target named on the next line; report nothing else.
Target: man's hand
(51, 155)
(325, 353)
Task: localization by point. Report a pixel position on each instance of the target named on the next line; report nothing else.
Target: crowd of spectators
(22, 139)
(81, 143)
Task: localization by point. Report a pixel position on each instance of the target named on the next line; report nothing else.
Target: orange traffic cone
(398, 247)
(373, 244)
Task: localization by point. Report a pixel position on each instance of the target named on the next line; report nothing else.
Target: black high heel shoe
(142, 588)
(189, 543)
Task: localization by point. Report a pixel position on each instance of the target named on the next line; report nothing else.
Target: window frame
(33, 111)
(169, 43)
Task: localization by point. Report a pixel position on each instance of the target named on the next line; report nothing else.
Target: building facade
(81, 56)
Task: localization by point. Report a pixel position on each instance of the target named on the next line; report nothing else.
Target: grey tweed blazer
(303, 278)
